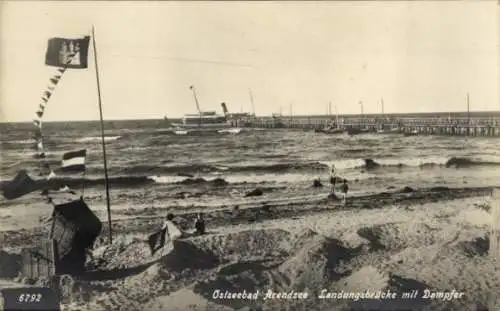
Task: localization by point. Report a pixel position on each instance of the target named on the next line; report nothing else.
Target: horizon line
(321, 115)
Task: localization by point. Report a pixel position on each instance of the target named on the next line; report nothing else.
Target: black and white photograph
(249, 155)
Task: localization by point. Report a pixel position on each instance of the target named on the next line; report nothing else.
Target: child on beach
(345, 188)
(199, 224)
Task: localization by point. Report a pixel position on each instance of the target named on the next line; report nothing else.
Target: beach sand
(426, 240)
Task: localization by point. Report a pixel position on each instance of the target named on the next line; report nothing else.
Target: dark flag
(74, 161)
(69, 53)
(157, 240)
(22, 184)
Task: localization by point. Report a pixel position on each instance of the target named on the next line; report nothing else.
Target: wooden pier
(461, 124)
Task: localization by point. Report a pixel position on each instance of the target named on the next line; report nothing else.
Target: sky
(296, 57)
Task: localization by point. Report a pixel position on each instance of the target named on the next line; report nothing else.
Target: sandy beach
(434, 241)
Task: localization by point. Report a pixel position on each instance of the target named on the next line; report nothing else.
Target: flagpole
(84, 175)
(102, 136)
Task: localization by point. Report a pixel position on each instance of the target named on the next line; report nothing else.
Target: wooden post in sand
(495, 225)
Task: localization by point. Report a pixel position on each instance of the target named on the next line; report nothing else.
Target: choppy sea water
(148, 159)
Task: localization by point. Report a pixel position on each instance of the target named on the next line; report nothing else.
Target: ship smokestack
(224, 108)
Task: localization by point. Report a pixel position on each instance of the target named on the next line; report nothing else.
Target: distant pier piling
(479, 124)
(494, 251)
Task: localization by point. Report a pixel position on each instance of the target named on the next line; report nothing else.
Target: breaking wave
(96, 139)
(431, 162)
(207, 168)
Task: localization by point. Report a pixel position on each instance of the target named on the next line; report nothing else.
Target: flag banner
(157, 240)
(39, 113)
(21, 185)
(42, 106)
(47, 94)
(45, 99)
(51, 88)
(74, 161)
(62, 70)
(70, 53)
(54, 80)
(38, 124)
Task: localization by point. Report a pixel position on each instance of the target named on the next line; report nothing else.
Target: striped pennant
(38, 124)
(40, 154)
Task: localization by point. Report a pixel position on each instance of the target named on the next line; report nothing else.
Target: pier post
(494, 251)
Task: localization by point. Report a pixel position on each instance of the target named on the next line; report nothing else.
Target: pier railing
(459, 126)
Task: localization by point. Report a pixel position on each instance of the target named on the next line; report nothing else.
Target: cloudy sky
(417, 56)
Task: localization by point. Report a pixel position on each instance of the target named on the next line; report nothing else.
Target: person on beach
(333, 178)
(345, 188)
(199, 224)
(171, 229)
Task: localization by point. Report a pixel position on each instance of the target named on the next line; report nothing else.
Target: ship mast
(251, 100)
(337, 116)
(196, 101)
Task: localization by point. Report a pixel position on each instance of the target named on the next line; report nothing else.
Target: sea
(149, 166)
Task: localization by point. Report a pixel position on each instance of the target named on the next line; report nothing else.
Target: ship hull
(202, 127)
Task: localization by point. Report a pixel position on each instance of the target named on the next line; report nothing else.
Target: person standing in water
(333, 178)
(345, 189)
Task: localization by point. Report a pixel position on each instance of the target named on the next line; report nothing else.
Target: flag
(74, 161)
(157, 240)
(70, 53)
(22, 184)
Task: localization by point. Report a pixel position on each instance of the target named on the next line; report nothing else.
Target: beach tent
(74, 229)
